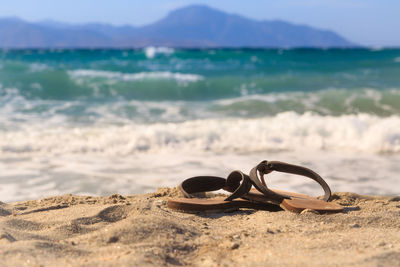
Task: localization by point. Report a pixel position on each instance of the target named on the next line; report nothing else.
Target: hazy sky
(367, 22)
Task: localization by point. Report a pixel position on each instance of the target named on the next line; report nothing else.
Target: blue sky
(367, 22)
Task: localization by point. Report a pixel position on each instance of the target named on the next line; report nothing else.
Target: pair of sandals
(244, 196)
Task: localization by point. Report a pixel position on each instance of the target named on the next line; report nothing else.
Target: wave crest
(153, 75)
(152, 51)
(285, 131)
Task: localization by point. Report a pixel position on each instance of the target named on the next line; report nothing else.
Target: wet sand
(140, 230)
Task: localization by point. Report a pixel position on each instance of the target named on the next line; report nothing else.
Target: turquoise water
(323, 81)
(94, 118)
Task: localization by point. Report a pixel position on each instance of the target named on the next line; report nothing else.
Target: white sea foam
(359, 153)
(50, 152)
(285, 131)
(153, 75)
(152, 51)
(37, 67)
(47, 174)
(268, 98)
(317, 101)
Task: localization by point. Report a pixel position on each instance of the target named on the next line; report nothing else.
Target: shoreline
(140, 230)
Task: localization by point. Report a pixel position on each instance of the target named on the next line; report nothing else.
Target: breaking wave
(152, 51)
(286, 131)
(155, 75)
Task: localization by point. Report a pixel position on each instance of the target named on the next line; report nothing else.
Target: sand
(140, 230)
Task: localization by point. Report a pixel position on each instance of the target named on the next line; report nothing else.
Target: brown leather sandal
(237, 183)
(294, 202)
(240, 184)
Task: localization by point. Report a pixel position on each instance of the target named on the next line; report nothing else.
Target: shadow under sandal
(293, 202)
(237, 183)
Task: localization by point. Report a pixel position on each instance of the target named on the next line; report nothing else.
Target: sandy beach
(72, 230)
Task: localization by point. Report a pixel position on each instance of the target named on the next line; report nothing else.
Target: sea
(101, 122)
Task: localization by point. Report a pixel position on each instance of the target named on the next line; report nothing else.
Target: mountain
(193, 26)
(16, 33)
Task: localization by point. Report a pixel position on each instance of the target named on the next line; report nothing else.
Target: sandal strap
(271, 195)
(237, 183)
(200, 184)
(266, 167)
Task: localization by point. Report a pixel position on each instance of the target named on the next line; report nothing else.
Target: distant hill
(193, 26)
